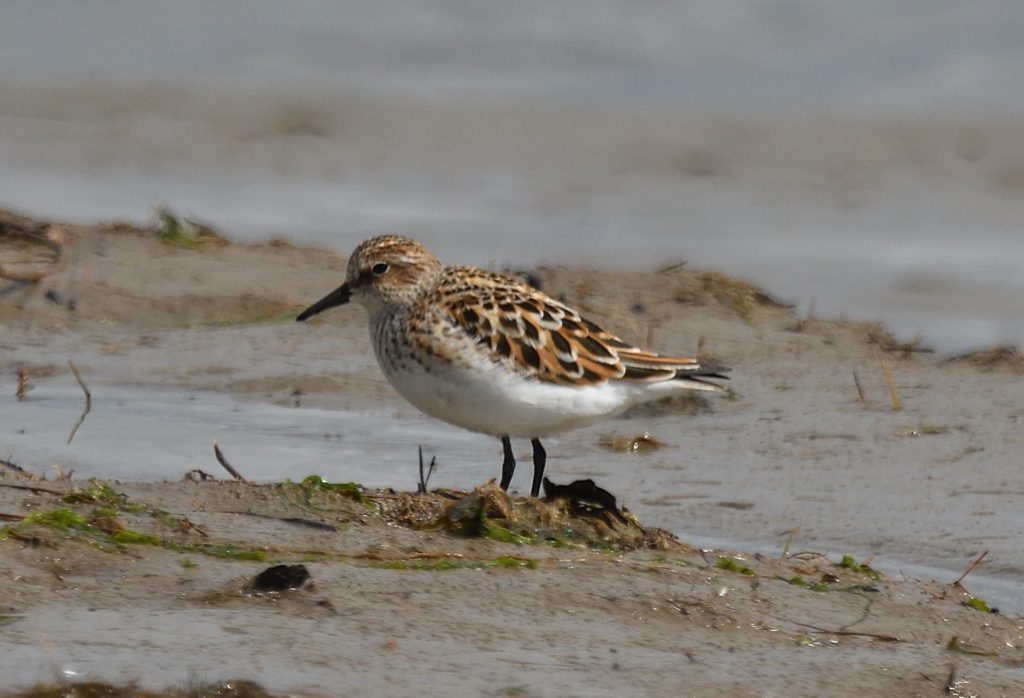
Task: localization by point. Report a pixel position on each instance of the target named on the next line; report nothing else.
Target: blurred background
(866, 157)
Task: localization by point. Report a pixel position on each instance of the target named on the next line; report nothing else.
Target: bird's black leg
(508, 466)
(540, 457)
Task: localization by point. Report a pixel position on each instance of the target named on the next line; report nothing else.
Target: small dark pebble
(280, 578)
(59, 298)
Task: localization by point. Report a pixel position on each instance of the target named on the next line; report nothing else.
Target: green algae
(509, 562)
(955, 644)
(732, 565)
(848, 562)
(819, 586)
(350, 490)
(60, 519)
(129, 537)
(490, 529)
(228, 552)
(805, 640)
(979, 605)
(115, 536)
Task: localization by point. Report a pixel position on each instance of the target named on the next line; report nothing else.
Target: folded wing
(544, 338)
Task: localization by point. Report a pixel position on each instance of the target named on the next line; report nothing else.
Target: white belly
(494, 401)
(474, 392)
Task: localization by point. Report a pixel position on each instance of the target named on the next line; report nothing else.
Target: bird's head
(387, 272)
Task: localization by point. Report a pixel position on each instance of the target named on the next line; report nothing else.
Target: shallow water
(587, 134)
(160, 434)
(688, 485)
(938, 257)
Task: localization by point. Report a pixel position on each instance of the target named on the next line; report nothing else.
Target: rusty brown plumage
(541, 337)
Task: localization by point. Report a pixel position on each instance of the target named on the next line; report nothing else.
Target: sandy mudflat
(146, 582)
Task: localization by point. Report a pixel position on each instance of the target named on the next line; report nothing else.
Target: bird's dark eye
(380, 269)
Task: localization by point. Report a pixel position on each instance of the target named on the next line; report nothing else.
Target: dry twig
(298, 520)
(421, 487)
(970, 568)
(31, 488)
(88, 401)
(897, 404)
(224, 462)
(860, 389)
(881, 637)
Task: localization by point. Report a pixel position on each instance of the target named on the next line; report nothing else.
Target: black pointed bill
(339, 296)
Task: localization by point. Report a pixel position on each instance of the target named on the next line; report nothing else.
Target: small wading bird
(488, 353)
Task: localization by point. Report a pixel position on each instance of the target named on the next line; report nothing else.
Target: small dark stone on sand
(280, 578)
(61, 299)
(584, 497)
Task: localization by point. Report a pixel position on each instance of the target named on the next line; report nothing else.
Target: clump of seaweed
(560, 520)
(848, 562)
(349, 490)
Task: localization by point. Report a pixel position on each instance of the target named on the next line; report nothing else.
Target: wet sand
(796, 462)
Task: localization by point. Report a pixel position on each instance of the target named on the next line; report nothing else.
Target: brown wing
(544, 338)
